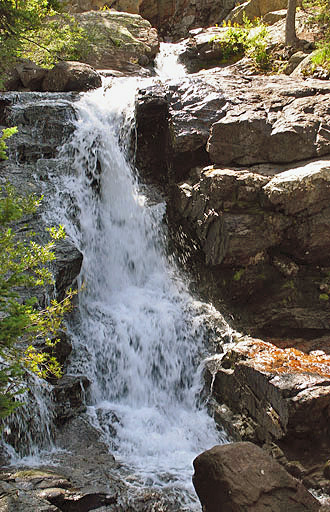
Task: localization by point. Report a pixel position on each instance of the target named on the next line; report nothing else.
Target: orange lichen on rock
(269, 358)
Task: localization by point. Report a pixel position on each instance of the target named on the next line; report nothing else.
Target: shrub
(249, 40)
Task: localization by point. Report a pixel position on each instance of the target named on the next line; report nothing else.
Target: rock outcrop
(170, 18)
(241, 477)
(121, 41)
(259, 231)
(246, 170)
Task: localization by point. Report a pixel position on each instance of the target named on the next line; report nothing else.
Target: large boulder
(240, 477)
(120, 40)
(255, 9)
(31, 75)
(71, 76)
(248, 136)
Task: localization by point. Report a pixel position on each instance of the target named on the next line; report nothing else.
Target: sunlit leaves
(24, 264)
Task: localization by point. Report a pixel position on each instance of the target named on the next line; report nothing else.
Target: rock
(53, 123)
(293, 62)
(121, 40)
(300, 128)
(273, 16)
(285, 392)
(71, 76)
(255, 9)
(244, 121)
(67, 266)
(153, 135)
(202, 50)
(178, 20)
(240, 477)
(326, 470)
(301, 188)
(12, 500)
(304, 68)
(31, 75)
(256, 237)
(12, 81)
(69, 395)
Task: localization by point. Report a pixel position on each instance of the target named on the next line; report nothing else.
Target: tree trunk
(290, 25)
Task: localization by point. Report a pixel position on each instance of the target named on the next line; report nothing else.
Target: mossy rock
(117, 38)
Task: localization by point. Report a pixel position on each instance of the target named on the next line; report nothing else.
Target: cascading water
(138, 335)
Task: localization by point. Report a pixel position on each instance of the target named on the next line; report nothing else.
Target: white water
(138, 335)
(167, 65)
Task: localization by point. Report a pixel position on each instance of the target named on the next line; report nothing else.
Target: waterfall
(137, 333)
(167, 64)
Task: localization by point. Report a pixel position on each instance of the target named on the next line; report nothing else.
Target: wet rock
(153, 136)
(71, 76)
(43, 126)
(14, 500)
(241, 477)
(69, 395)
(67, 266)
(76, 502)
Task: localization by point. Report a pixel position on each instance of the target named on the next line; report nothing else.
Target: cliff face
(249, 174)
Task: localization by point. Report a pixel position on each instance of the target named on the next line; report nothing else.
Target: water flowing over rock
(250, 221)
(137, 334)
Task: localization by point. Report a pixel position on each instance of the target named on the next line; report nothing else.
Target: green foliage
(34, 29)
(249, 40)
(6, 133)
(324, 296)
(238, 274)
(321, 58)
(321, 18)
(24, 265)
(59, 37)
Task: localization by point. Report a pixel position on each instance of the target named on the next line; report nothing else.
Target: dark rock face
(31, 75)
(250, 218)
(252, 136)
(69, 395)
(259, 233)
(241, 477)
(153, 136)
